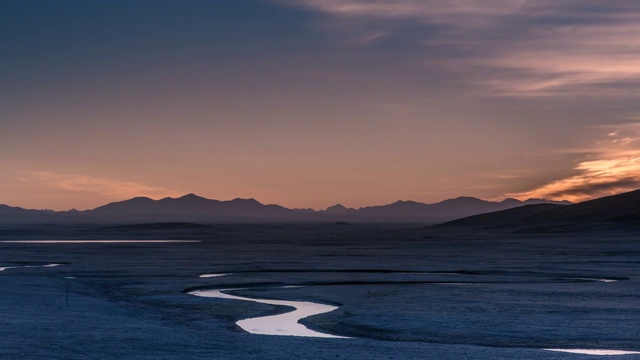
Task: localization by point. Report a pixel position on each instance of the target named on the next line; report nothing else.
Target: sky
(308, 103)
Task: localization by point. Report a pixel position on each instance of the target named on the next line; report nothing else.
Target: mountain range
(193, 208)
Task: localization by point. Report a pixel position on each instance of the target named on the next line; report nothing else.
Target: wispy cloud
(110, 188)
(439, 11)
(612, 167)
(522, 48)
(372, 37)
(597, 178)
(573, 59)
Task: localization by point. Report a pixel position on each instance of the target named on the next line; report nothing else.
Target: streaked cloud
(612, 167)
(372, 37)
(111, 188)
(596, 179)
(577, 60)
(471, 11)
(521, 48)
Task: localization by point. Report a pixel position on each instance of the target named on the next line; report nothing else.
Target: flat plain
(402, 291)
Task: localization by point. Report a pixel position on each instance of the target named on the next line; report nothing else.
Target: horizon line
(296, 208)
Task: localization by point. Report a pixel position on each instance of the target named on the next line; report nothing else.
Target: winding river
(287, 324)
(282, 324)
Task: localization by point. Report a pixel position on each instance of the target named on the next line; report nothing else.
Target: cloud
(520, 48)
(595, 179)
(613, 167)
(583, 59)
(588, 190)
(438, 11)
(110, 188)
(372, 37)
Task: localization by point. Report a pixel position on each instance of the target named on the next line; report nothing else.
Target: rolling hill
(611, 211)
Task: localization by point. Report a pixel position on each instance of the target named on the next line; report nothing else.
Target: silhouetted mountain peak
(138, 199)
(465, 199)
(11, 208)
(511, 201)
(406, 202)
(138, 203)
(191, 196)
(545, 201)
(338, 209)
(250, 201)
(190, 199)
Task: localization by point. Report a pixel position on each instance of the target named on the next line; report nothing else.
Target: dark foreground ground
(405, 293)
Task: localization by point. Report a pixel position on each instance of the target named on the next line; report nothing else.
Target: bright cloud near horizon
(314, 102)
(610, 166)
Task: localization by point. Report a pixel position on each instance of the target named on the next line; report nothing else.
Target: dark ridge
(499, 218)
(611, 212)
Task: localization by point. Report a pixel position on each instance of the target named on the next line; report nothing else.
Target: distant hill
(611, 211)
(339, 209)
(14, 215)
(445, 210)
(193, 208)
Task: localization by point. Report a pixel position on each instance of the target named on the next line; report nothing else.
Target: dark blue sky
(309, 102)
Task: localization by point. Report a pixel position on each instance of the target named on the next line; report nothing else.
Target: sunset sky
(307, 103)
